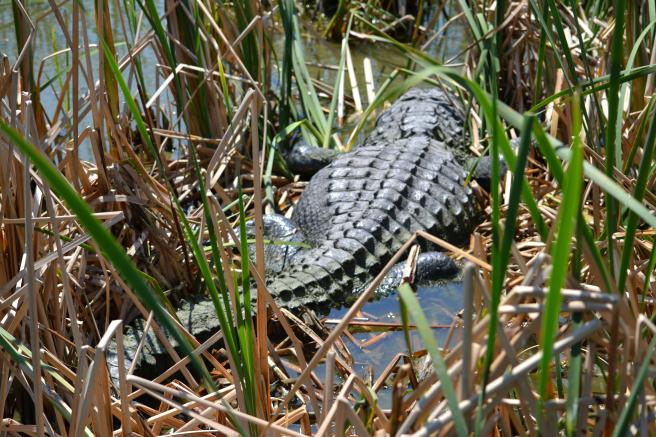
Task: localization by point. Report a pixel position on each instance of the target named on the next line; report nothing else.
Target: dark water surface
(440, 302)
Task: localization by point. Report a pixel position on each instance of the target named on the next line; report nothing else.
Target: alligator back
(358, 211)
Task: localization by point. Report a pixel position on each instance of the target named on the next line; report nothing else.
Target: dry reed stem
(72, 294)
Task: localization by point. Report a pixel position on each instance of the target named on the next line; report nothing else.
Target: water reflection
(440, 302)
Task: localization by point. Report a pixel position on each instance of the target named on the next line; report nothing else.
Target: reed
(132, 190)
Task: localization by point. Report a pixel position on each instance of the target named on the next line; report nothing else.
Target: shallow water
(49, 39)
(440, 302)
(322, 55)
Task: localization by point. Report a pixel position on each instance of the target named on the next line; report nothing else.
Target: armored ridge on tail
(360, 209)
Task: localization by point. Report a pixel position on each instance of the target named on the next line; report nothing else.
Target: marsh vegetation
(137, 136)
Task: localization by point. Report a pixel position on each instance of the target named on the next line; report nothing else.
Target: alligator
(361, 207)
(358, 209)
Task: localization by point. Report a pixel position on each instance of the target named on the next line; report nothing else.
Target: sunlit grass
(560, 298)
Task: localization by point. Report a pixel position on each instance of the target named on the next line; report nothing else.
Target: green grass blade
(640, 188)
(613, 142)
(566, 224)
(408, 298)
(112, 251)
(245, 325)
(595, 85)
(544, 18)
(513, 205)
(574, 381)
(501, 257)
(566, 50)
(498, 136)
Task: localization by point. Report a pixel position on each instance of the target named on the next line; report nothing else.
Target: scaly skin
(409, 175)
(358, 211)
(436, 114)
(425, 112)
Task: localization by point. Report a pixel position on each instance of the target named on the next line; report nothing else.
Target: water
(440, 302)
(52, 57)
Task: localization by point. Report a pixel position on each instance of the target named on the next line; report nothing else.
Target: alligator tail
(319, 275)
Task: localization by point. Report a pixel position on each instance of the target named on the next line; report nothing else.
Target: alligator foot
(431, 266)
(305, 160)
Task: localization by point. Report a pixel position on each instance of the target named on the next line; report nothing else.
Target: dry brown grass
(62, 302)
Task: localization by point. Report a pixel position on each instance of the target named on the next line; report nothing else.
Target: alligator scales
(360, 209)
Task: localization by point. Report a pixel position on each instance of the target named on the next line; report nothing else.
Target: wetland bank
(138, 138)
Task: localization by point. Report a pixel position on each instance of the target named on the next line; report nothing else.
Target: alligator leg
(306, 160)
(431, 266)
